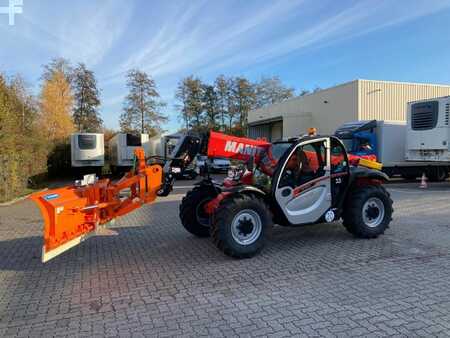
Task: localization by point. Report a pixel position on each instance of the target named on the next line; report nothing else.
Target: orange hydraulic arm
(72, 214)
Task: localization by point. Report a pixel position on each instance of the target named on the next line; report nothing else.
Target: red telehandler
(302, 181)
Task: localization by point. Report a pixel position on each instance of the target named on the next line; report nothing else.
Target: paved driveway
(155, 279)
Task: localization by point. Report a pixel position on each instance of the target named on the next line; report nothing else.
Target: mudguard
(211, 206)
(363, 172)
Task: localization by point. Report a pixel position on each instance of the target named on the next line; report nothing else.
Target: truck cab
(359, 137)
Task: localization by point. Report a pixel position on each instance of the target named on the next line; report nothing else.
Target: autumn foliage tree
(22, 148)
(56, 107)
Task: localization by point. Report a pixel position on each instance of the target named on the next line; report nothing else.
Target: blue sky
(307, 43)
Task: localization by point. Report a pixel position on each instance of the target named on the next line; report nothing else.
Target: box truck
(87, 152)
(121, 150)
(387, 141)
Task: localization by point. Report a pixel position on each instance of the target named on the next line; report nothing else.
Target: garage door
(260, 131)
(277, 131)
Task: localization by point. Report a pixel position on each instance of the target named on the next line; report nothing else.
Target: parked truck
(428, 130)
(87, 152)
(121, 150)
(387, 141)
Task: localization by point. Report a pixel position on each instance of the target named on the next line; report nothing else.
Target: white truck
(121, 150)
(387, 140)
(428, 131)
(87, 152)
(163, 145)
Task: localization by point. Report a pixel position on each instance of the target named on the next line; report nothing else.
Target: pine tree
(142, 105)
(86, 94)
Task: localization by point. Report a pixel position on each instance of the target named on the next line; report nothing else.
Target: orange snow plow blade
(74, 213)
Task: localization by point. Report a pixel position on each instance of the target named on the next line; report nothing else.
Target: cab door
(303, 189)
(340, 172)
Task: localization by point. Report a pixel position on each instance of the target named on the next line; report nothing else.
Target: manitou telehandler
(302, 181)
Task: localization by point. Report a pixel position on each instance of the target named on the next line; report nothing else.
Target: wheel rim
(373, 212)
(246, 227)
(200, 214)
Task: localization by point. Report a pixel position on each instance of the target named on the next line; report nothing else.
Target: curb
(18, 199)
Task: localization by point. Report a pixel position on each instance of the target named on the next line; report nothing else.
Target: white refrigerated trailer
(121, 150)
(87, 152)
(428, 130)
(163, 145)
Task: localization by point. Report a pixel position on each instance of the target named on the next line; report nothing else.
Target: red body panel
(233, 147)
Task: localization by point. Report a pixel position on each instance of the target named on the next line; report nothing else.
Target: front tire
(368, 212)
(192, 215)
(240, 225)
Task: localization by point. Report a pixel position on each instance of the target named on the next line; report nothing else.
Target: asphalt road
(153, 278)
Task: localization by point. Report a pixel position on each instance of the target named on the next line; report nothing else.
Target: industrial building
(327, 109)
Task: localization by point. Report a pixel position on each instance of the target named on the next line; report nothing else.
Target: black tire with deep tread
(188, 208)
(222, 220)
(352, 217)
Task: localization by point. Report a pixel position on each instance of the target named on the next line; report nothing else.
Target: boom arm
(240, 148)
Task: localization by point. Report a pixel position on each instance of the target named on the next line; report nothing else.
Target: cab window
(305, 164)
(339, 162)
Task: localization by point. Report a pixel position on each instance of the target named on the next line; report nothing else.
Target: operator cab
(310, 180)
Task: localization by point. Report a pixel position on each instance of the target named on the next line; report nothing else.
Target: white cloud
(192, 36)
(201, 38)
(364, 17)
(90, 34)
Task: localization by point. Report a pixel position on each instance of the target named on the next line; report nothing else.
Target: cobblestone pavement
(156, 279)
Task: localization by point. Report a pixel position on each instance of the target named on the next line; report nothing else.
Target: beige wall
(325, 110)
(355, 100)
(385, 100)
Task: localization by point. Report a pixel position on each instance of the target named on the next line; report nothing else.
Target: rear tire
(437, 174)
(368, 212)
(240, 225)
(193, 217)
